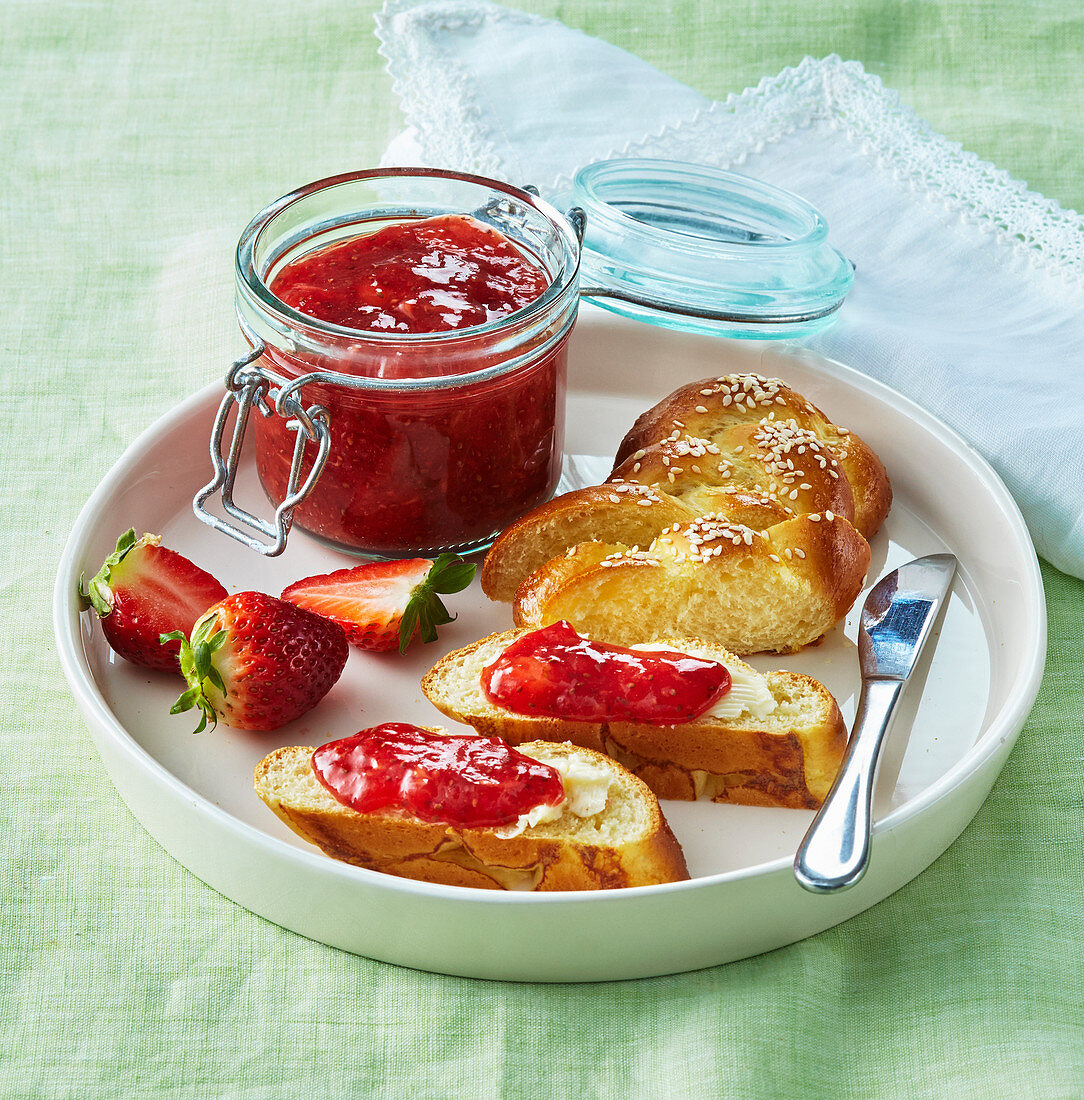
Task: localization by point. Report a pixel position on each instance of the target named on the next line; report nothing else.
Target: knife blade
(897, 618)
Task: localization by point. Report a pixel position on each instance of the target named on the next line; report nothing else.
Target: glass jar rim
(253, 281)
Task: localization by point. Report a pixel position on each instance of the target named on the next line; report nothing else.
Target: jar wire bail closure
(249, 385)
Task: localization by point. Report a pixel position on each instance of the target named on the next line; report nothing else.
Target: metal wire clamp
(249, 385)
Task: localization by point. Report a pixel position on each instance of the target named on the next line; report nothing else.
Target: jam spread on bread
(556, 673)
(432, 275)
(469, 781)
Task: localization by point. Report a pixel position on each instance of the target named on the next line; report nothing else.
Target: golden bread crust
(731, 410)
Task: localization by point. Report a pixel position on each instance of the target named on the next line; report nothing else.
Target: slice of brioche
(787, 757)
(627, 844)
(747, 591)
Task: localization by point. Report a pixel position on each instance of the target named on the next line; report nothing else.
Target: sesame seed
(702, 408)
(799, 553)
(828, 515)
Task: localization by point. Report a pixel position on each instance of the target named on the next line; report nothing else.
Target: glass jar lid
(705, 250)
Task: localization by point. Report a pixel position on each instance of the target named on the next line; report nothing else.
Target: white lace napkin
(969, 293)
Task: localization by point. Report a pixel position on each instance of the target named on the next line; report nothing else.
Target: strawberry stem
(99, 593)
(425, 609)
(198, 670)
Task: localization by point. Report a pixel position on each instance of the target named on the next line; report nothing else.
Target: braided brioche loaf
(736, 511)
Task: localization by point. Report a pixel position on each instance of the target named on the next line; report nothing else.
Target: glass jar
(436, 440)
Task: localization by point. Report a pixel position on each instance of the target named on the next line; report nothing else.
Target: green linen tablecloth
(138, 139)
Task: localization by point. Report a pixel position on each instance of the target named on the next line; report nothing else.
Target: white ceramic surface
(958, 723)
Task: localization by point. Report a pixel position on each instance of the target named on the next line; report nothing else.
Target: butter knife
(897, 618)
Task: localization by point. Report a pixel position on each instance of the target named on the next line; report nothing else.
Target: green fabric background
(138, 139)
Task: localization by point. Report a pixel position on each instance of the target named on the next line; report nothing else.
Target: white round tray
(959, 720)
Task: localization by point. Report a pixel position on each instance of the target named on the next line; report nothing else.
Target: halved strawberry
(143, 591)
(384, 604)
(256, 662)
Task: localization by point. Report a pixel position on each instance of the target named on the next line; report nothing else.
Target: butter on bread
(741, 447)
(785, 753)
(627, 843)
(744, 590)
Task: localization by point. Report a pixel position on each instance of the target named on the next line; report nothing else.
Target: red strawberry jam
(556, 673)
(433, 275)
(414, 470)
(467, 781)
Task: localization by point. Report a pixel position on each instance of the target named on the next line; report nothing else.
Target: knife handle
(835, 851)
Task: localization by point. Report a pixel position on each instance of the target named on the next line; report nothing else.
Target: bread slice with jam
(618, 838)
(779, 742)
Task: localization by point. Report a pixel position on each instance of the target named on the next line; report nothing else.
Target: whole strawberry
(144, 590)
(383, 604)
(256, 662)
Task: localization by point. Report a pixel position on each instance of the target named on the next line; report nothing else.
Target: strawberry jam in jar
(425, 314)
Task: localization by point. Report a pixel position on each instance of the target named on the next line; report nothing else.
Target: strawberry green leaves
(198, 670)
(425, 610)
